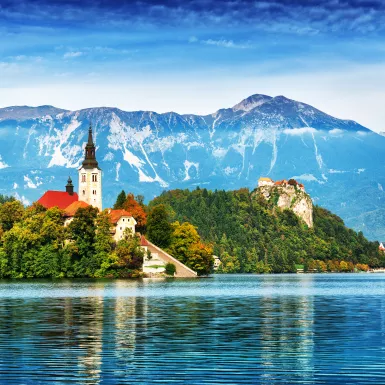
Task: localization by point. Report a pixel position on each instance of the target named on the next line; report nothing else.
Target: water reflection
(322, 335)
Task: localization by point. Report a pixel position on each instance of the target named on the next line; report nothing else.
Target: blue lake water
(282, 329)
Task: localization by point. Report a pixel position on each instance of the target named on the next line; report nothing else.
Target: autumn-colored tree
(186, 246)
(137, 211)
(362, 267)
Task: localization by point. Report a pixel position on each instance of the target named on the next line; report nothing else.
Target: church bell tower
(90, 176)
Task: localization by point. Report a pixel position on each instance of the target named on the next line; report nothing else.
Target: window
(83, 177)
(123, 219)
(120, 228)
(94, 177)
(84, 192)
(93, 192)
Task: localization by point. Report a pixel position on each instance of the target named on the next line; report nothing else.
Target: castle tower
(90, 176)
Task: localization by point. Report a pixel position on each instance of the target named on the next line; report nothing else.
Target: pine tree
(121, 198)
(158, 226)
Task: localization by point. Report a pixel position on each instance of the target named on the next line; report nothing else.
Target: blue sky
(194, 55)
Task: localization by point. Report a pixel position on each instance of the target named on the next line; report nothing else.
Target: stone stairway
(182, 271)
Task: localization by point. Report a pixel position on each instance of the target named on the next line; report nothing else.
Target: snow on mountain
(145, 152)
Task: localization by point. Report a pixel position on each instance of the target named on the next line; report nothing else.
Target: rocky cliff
(289, 196)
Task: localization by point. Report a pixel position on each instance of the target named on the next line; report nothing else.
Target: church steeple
(90, 156)
(70, 186)
(90, 176)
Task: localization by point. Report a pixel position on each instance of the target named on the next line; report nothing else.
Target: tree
(121, 198)
(10, 213)
(129, 257)
(103, 244)
(137, 211)
(186, 246)
(159, 229)
(82, 232)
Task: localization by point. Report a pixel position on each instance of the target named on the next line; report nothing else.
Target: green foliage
(6, 198)
(170, 269)
(159, 229)
(250, 234)
(38, 245)
(186, 246)
(10, 212)
(121, 198)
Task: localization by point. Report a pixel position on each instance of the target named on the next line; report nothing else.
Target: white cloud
(225, 43)
(22, 199)
(69, 55)
(299, 131)
(3, 164)
(32, 184)
(220, 43)
(307, 178)
(336, 131)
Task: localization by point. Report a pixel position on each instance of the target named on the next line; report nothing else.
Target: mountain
(339, 161)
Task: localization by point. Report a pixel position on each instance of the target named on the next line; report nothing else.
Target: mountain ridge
(340, 161)
(255, 100)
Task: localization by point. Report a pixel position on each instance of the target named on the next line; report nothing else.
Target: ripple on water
(305, 329)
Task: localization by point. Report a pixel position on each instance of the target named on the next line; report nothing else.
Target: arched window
(84, 192)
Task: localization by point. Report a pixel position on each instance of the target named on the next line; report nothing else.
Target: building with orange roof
(120, 221)
(264, 181)
(70, 211)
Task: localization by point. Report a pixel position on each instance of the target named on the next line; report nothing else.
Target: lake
(242, 329)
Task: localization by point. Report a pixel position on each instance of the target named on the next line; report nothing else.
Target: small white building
(265, 182)
(217, 262)
(121, 220)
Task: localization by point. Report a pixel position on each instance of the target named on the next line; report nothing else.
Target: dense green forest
(34, 243)
(250, 234)
(247, 232)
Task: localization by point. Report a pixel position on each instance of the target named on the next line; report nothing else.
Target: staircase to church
(182, 271)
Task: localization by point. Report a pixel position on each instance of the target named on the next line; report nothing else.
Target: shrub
(170, 269)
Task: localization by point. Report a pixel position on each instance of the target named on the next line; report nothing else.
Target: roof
(61, 199)
(143, 241)
(265, 179)
(115, 215)
(73, 207)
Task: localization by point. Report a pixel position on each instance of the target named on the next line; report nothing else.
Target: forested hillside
(250, 234)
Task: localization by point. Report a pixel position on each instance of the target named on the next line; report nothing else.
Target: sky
(194, 56)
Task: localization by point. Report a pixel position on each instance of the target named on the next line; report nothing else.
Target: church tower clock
(90, 176)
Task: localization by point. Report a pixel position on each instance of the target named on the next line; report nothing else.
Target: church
(89, 193)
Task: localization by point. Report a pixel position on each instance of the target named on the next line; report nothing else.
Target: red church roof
(73, 207)
(60, 199)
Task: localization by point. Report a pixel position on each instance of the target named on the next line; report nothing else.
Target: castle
(263, 181)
